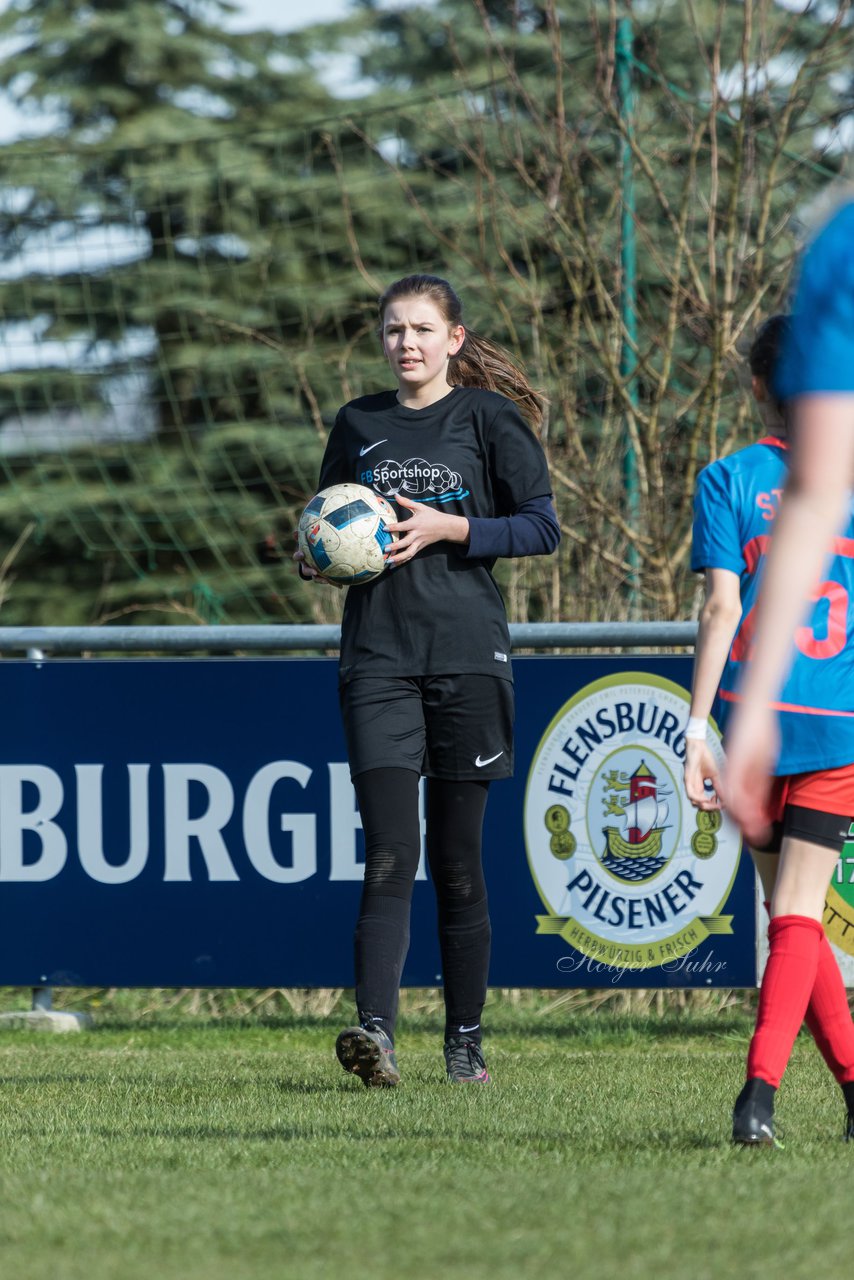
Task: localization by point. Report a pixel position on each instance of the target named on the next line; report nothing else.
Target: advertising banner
(191, 822)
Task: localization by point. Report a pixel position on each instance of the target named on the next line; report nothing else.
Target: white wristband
(696, 729)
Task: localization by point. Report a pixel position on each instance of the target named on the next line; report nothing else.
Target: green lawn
(182, 1146)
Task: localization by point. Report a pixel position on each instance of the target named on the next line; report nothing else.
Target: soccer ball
(342, 533)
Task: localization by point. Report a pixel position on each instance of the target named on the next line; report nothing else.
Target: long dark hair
(479, 362)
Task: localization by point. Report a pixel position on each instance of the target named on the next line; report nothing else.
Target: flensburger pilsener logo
(630, 874)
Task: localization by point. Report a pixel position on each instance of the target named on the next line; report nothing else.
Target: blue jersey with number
(734, 509)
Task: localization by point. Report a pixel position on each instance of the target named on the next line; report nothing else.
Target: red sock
(828, 1015)
(794, 942)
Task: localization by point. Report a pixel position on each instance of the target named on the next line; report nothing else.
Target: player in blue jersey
(736, 505)
(817, 375)
(426, 683)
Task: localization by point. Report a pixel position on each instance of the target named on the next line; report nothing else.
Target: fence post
(42, 1016)
(628, 293)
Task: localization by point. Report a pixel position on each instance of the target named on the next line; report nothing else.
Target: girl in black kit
(425, 676)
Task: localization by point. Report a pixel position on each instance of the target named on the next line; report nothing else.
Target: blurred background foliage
(190, 260)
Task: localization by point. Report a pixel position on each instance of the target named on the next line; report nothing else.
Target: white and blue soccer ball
(342, 533)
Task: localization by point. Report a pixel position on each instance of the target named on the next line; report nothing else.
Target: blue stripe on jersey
(734, 508)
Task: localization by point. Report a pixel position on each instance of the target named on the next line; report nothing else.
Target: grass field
(174, 1145)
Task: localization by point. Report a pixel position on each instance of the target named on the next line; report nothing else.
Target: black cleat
(753, 1115)
(368, 1055)
(848, 1095)
(464, 1061)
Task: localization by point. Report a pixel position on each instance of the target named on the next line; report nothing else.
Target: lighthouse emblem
(636, 819)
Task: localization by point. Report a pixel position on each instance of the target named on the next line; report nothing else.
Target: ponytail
(479, 362)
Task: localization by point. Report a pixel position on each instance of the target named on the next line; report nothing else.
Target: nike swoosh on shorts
(482, 763)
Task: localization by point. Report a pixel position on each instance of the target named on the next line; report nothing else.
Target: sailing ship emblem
(633, 845)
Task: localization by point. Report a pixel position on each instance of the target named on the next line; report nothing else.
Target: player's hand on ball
(421, 528)
(307, 572)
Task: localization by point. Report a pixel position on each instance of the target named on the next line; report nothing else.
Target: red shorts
(817, 807)
(830, 790)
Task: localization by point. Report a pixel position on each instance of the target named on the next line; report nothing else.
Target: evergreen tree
(169, 175)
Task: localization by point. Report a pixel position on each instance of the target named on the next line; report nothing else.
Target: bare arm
(718, 622)
(811, 513)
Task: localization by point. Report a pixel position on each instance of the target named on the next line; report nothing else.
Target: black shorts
(816, 806)
(831, 830)
(457, 727)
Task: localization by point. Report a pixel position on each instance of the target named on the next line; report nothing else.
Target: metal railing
(289, 638)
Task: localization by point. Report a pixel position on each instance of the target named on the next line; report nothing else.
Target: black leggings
(388, 803)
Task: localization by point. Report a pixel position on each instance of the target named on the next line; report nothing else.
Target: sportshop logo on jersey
(416, 478)
(630, 874)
